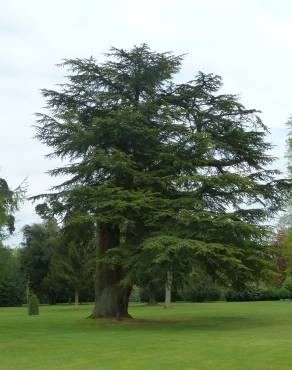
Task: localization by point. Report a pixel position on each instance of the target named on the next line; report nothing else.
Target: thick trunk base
(111, 299)
(112, 303)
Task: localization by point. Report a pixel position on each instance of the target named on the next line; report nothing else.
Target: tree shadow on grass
(217, 323)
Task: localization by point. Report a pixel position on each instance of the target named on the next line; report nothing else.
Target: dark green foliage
(11, 292)
(7, 206)
(287, 284)
(77, 257)
(249, 293)
(12, 287)
(55, 262)
(281, 258)
(200, 287)
(160, 294)
(9, 201)
(274, 294)
(172, 175)
(253, 293)
(204, 293)
(37, 259)
(33, 305)
(11, 280)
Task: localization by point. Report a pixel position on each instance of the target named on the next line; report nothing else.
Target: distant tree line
(58, 271)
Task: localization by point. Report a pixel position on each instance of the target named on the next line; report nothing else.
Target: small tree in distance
(177, 169)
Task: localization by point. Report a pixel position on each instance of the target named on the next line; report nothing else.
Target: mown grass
(205, 336)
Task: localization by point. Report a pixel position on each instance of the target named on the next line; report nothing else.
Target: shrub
(204, 293)
(288, 284)
(33, 305)
(249, 293)
(274, 294)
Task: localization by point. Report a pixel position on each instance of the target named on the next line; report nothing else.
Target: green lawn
(204, 336)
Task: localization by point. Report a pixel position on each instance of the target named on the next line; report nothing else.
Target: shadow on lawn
(202, 323)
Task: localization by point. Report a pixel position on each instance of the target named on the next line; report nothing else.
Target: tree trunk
(76, 299)
(167, 303)
(152, 297)
(27, 291)
(111, 299)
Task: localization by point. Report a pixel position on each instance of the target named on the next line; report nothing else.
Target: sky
(247, 42)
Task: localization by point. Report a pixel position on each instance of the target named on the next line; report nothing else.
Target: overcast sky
(247, 42)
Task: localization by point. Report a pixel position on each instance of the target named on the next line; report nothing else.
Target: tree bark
(76, 299)
(168, 284)
(27, 292)
(111, 298)
(152, 297)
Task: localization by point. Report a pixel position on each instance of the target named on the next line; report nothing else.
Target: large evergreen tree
(164, 170)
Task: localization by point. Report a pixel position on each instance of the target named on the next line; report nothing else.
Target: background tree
(9, 202)
(149, 287)
(281, 258)
(201, 287)
(162, 165)
(11, 281)
(282, 241)
(77, 257)
(58, 263)
(12, 287)
(37, 259)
